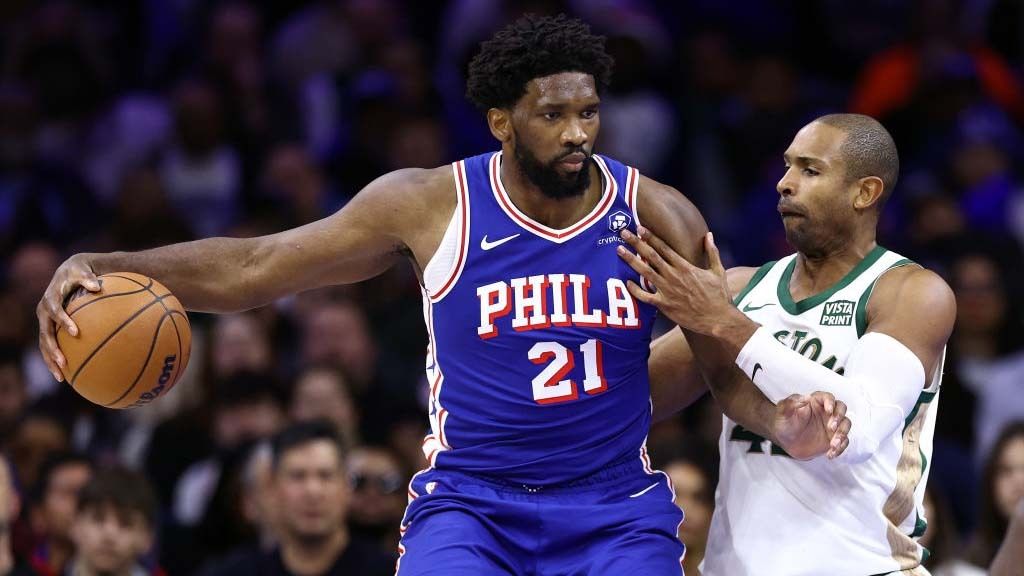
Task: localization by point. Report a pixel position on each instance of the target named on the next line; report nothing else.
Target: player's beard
(548, 179)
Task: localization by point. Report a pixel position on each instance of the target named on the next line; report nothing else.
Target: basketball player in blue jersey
(539, 403)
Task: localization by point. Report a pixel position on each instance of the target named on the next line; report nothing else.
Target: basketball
(133, 341)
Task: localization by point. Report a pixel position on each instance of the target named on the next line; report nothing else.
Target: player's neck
(529, 199)
(819, 272)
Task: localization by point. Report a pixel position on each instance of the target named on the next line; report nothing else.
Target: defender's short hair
(869, 149)
(534, 47)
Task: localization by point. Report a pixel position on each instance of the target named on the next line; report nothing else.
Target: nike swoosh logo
(644, 491)
(485, 245)
(749, 308)
(753, 374)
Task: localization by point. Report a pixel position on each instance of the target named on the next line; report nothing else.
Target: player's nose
(574, 134)
(785, 185)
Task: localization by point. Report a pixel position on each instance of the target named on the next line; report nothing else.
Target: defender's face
(815, 195)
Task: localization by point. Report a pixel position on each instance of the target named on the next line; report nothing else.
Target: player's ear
(869, 192)
(499, 120)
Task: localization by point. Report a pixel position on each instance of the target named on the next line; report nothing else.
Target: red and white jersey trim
(538, 229)
(439, 282)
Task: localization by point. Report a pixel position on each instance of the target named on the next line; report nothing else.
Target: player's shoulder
(912, 287)
(738, 278)
(671, 216)
(414, 191)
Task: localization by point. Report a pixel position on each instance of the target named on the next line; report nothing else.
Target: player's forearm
(738, 398)
(882, 382)
(209, 275)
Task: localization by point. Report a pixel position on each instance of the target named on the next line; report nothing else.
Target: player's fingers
(839, 446)
(714, 257)
(838, 414)
(48, 343)
(645, 251)
(641, 264)
(662, 249)
(55, 307)
(641, 294)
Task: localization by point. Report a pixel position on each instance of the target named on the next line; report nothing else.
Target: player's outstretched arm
(909, 319)
(361, 240)
(675, 379)
(804, 425)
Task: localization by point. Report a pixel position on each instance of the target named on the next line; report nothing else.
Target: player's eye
(810, 171)
(551, 115)
(588, 114)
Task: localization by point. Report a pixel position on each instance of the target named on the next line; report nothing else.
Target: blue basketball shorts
(618, 522)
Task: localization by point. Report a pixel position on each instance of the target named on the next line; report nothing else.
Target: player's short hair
(534, 47)
(301, 434)
(123, 489)
(869, 149)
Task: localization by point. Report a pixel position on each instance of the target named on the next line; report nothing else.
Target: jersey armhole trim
(861, 316)
(754, 281)
(462, 213)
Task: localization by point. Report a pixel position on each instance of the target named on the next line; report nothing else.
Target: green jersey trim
(861, 317)
(797, 308)
(754, 280)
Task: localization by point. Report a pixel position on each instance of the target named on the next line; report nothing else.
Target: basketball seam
(104, 297)
(152, 346)
(109, 336)
(181, 353)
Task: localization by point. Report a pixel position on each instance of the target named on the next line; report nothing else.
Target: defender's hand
(74, 272)
(693, 297)
(809, 426)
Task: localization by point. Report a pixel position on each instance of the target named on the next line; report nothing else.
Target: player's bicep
(918, 309)
(360, 241)
(675, 381)
(673, 218)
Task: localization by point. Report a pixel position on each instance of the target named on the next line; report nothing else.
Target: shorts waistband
(610, 473)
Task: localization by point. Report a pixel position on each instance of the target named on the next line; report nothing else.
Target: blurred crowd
(127, 125)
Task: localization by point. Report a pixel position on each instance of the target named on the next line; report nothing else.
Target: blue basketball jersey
(537, 362)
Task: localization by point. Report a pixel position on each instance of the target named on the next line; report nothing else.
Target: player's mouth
(790, 212)
(574, 161)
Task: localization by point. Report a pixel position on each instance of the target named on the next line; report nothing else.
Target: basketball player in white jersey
(843, 315)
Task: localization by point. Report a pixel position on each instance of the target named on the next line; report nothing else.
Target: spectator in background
(10, 507)
(200, 170)
(693, 468)
(321, 392)
(942, 540)
(239, 343)
(293, 181)
(259, 506)
(988, 344)
(310, 482)
(142, 216)
(1002, 490)
(28, 266)
(378, 487)
(37, 437)
(114, 525)
(52, 511)
(247, 408)
(12, 391)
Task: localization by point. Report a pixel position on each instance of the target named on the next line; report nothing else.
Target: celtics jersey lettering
(779, 516)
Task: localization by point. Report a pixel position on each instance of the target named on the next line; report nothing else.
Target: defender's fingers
(663, 249)
(637, 263)
(836, 451)
(714, 257)
(641, 294)
(645, 250)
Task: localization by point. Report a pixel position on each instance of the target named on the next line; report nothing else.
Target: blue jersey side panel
(495, 421)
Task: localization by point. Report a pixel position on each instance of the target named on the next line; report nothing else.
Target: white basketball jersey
(777, 516)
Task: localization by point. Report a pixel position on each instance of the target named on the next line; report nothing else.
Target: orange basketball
(133, 341)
